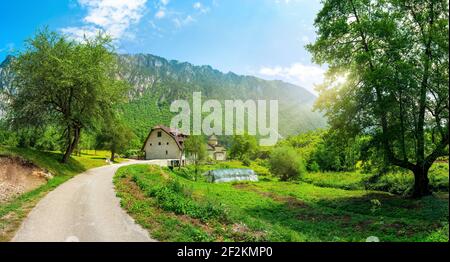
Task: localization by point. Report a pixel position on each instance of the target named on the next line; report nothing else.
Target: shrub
(176, 197)
(260, 170)
(286, 163)
(243, 146)
(395, 183)
(246, 161)
(401, 182)
(134, 154)
(314, 167)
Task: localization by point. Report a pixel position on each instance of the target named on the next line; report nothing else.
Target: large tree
(394, 54)
(65, 83)
(115, 136)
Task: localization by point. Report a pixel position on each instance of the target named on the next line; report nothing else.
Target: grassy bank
(175, 208)
(399, 183)
(14, 211)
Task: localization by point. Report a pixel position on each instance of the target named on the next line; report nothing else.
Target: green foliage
(286, 163)
(314, 167)
(50, 140)
(396, 78)
(305, 143)
(174, 196)
(401, 182)
(64, 83)
(115, 136)
(279, 211)
(145, 112)
(325, 150)
(157, 82)
(337, 154)
(342, 180)
(7, 137)
(243, 147)
(396, 182)
(133, 154)
(195, 147)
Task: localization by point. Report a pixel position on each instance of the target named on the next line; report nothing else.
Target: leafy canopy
(65, 83)
(394, 57)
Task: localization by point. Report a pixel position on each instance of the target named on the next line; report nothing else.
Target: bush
(242, 147)
(134, 154)
(246, 161)
(314, 167)
(395, 183)
(175, 197)
(402, 182)
(286, 163)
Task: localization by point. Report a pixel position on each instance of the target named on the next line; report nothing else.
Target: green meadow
(325, 208)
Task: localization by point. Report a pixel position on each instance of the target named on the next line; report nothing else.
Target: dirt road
(84, 209)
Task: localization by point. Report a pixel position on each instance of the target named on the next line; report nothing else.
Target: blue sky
(265, 38)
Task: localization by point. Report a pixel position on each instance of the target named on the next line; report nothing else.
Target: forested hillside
(156, 82)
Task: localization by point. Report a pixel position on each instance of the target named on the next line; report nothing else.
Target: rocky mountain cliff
(156, 82)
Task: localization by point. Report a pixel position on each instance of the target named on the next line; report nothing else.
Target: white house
(164, 143)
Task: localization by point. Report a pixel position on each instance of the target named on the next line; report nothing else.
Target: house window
(167, 143)
(167, 152)
(159, 134)
(159, 143)
(151, 144)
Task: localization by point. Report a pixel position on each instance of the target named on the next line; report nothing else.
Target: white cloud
(162, 10)
(180, 22)
(111, 16)
(160, 14)
(200, 7)
(303, 75)
(165, 12)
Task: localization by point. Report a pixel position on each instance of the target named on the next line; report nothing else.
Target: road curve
(84, 209)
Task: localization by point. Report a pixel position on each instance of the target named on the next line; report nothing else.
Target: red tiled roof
(176, 134)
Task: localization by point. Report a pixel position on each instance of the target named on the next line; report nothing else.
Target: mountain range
(156, 82)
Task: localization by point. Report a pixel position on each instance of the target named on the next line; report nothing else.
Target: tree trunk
(113, 154)
(421, 183)
(72, 145)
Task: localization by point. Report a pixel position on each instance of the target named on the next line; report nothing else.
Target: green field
(14, 211)
(175, 208)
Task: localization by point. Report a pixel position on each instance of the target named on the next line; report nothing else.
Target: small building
(216, 151)
(165, 143)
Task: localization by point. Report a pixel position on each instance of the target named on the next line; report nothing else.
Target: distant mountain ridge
(160, 81)
(156, 82)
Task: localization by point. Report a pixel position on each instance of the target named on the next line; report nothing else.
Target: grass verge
(175, 208)
(13, 212)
